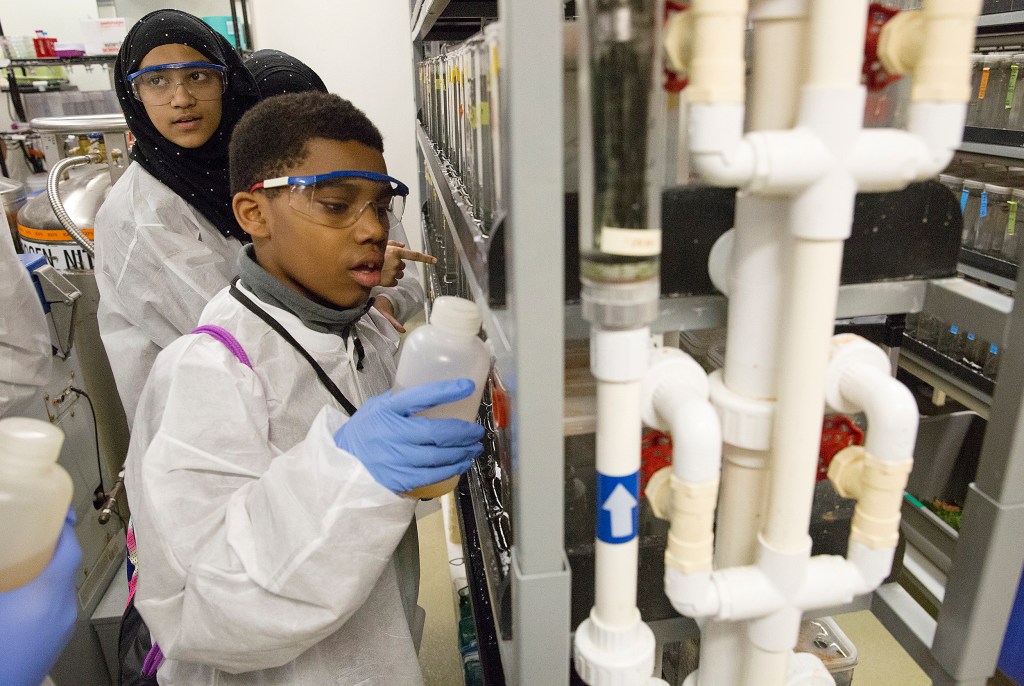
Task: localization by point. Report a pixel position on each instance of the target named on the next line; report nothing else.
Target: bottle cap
(30, 440)
(456, 314)
(954, 330)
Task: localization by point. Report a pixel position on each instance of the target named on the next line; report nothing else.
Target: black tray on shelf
(967, 374)
(989, 264)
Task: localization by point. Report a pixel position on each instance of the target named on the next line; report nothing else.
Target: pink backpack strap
(229, 341)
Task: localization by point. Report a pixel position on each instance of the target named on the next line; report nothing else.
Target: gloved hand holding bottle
(404, 452)
(37, 620)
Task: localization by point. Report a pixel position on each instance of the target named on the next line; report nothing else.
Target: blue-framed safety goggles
(340, 205)
(203, 80)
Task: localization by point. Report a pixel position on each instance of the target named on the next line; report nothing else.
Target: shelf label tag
(984, 83)
(618, 511)
(963, 199)
(984, 204)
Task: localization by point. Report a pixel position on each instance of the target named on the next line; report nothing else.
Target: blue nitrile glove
(37, 620)
(403, 452)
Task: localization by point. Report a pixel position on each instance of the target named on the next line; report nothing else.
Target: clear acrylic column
(620, 245)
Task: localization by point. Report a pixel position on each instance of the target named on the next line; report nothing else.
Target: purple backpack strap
(154, 658)
(229, 341)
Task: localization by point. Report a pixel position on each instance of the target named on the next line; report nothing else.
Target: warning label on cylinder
(61, 256)
(618, 512)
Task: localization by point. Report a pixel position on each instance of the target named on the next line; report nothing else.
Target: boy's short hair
(272, 136)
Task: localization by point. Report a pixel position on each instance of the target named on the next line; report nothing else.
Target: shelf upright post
(986, 565)
(531, 114)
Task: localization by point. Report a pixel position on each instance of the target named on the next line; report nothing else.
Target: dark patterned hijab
(198, 175)
(277, 73)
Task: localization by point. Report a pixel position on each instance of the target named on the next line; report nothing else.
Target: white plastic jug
(445, 349)
(34, 496)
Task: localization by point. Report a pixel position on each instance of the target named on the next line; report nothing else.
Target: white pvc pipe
(716, 73)
(890, 408)
(808, 320)
(618, 454)
(740, 503)
(765, 668)
(778, 64)
(755, 296)
(718, 150)
(836, 31)
(696, 435)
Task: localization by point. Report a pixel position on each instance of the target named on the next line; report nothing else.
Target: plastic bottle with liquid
(445, 349)
(34, 496)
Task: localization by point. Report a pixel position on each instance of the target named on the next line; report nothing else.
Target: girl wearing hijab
(277, 73)
(400, 295)
(166, 238)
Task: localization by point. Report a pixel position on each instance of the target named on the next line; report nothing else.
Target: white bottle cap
(456, 314)
(29, 441)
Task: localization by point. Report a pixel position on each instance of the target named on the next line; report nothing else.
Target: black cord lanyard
(331, 387)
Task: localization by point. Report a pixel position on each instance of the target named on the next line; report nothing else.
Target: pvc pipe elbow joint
(858, 379)
(940, 126)
(692, 595)
(718, 150)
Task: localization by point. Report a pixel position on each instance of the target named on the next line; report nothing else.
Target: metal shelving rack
(970, 577)
(529, 332)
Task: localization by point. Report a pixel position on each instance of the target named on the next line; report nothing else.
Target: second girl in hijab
(166, 238)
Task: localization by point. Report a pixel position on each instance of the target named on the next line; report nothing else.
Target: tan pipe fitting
(691, 539)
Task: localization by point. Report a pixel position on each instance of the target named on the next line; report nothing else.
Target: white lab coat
(158, 262)
(267, 555)
(25, 349)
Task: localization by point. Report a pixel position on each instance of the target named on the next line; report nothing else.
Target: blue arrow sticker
(618, 514)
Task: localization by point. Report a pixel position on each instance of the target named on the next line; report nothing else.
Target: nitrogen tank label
(618, 511)
(61, 256)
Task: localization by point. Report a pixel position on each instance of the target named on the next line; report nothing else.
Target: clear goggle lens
(157, 87)
(340, 205)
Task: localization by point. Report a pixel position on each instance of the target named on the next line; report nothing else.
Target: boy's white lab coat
(158, 263)
(267, 555)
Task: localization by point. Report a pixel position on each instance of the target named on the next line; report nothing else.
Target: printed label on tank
(630, 242)
(61, 256)
(618, 514)
(51, 235)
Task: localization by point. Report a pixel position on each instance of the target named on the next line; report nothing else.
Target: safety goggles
(157, 85)
(338, 199)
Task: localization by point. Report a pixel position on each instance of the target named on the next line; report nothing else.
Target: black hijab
(198, 175)
(277, 73)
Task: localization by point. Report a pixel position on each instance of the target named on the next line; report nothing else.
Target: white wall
(363, 52)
